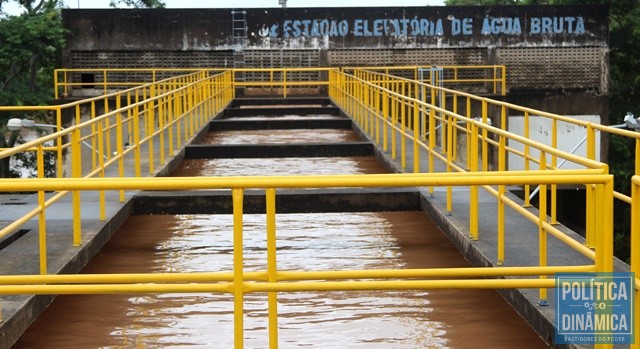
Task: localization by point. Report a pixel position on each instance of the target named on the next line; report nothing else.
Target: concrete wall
(556, 56)
(544, 47)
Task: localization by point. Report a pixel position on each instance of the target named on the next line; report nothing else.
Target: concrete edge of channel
(13, 326)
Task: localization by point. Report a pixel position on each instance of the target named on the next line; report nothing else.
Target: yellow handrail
(238, 282)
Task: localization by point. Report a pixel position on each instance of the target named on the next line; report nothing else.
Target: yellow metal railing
(449, 102)
(281, 81)
(153, 119)
(485, 78)
(260, 81)
(272, 281)
(395, 116)
(394, 111)
(105, 80)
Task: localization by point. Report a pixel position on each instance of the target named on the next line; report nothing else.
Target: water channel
(328, 241)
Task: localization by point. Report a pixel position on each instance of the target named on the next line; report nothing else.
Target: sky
(85, 4)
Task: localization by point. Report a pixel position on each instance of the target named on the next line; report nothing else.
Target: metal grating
(553, 68)
(420, 57)
(155, 59)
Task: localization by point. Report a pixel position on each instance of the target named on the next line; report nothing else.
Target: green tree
(137, 3)
(30, 47)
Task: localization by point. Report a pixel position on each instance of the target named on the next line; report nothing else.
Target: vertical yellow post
(416, 135)
(432, 143)
(485, 144)
(403, 130)
(101, 156)
(542, 233)
(76, 172)
(385, 120)
(376, 113)
(604, 236)
(272, 267)
(554, 194)
(60, 159)
(119, 143)
(136, 139)
(161, 128)
(635, 248)
(527, 187)
(501, 191)
(604, 229)
(468, 135)
(238, 268)
(151, 127)
(94, 159)
(473, 190)
(107, 130)
(454, 135)
(590, 224)
(443, 122)
(394, 123)
(170, 116)
(42, 218)
(450, 123)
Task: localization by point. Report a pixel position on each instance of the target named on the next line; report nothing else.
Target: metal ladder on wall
(239, 37)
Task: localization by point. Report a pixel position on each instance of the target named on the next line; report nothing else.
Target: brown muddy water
(371, 319)
(278, 167)
(280, 136)
(363, 319)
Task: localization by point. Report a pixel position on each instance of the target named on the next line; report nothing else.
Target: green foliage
(30, 49)
(137, 3)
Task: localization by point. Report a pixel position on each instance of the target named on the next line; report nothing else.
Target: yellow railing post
(442, 122)
(432, 143)
(473, 190)
(468, 134)
(542, 233)
(151, 123)
(272, 267)
(76, 172)
(454, 135)
(59, 157)
(503, 89)
(450, 123)
(403, 129)
(94, 159)
(635, 250)
(161, 126)
(554, 194)
(119, 142)
(416, 135)
(394, 124)
(376, 113)
(42, 218)
(238, 268)
(136, 139)
(107, 131)
(590, 224)
(485, 144)
(101, 156)
(501, 192)
(385, 120)
(527, 187)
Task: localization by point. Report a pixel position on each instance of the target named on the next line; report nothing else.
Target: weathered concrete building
(556, 56)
